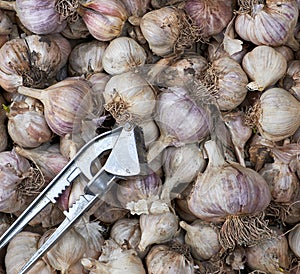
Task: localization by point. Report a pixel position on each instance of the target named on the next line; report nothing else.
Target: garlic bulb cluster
(22, 247)
(265, 66)
(164, 259)
(129, 97)
(27, 125)
(104, 19)
(63, 103)
(268, 22)
(228, 192)
(123, 54)
(32, 61)
(85, 58)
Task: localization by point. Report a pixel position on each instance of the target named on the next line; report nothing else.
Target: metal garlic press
(126, 159)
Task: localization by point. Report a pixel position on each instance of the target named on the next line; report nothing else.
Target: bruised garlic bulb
(114, 260)
(161, 28)
(232, 193)
(20, 249)
(276, 114)
(203, 239)
(270, 22)
(129, 97)
(181, 166)
(66, 252)
(104, 19)
(86, 58)
(265, 66)
(157, 228)
(227, 80)
(123, 54)
(169, 259)
(32, 61)
(270, 255)
(63, 103)
(27, 125)
(294, 240)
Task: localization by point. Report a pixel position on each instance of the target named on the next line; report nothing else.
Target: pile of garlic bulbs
(214, 87)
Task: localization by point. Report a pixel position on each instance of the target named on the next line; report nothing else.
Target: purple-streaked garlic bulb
(16, 174)
(104, 19)
(32, 61)
(230, 193)
(180, 120)
(27, 125)
(66, 103)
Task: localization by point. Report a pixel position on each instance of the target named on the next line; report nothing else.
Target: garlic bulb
(63, 103)
(15, 173)
(268, 22)
(277, 114)
(180, 120)
(86, 58)
(270, 255)
(19, 251)
(123, 54)
(40, 17)
(27, 125)
(46, 157)
(287, 52)
(294, 240)
(129, 97)
(161, 28)
(114, 260)
(181, 166)
(32, 61)
(164, 259)
(265, 66)
(138, 193)
(227, 80)
(66, 252)
(182, 70)
(3, 130)
(232, 193)
(104, 19)
(291, 80)
(210, 16)
(150, 131)
(126, 233)
(157, 228)
(136, 8)
(203, 239)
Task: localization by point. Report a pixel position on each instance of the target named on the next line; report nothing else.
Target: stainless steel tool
(126, 159)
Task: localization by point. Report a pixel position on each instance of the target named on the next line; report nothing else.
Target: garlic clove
(263, 61)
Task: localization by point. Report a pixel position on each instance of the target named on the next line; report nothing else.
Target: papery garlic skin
(40, 17)
(32, 61)
(278, 114)
(161, 29)
(157, 228)
(294, 240)
(3, 128)
(20, 249)
(129, 97)
(265, 66)
(150, 131)
(123, 54)
(163, 259)
(269, 24)
(86, 58)
(104, 19)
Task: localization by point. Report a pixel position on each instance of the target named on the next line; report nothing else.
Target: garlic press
(126, 158)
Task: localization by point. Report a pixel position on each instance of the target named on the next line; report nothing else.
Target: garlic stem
(214, 154)
(5, 5)
(32, 92)
(156, 148)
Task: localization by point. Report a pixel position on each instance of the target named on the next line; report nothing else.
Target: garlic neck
(214, 153)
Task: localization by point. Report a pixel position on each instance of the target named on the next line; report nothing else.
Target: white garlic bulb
(123, 54)
(265, 66)
(294, 239)
(157, 228)
(163, 259)
(86, 58)
(114, 260)
(19, 251)
(150, 131)
(129, 97)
